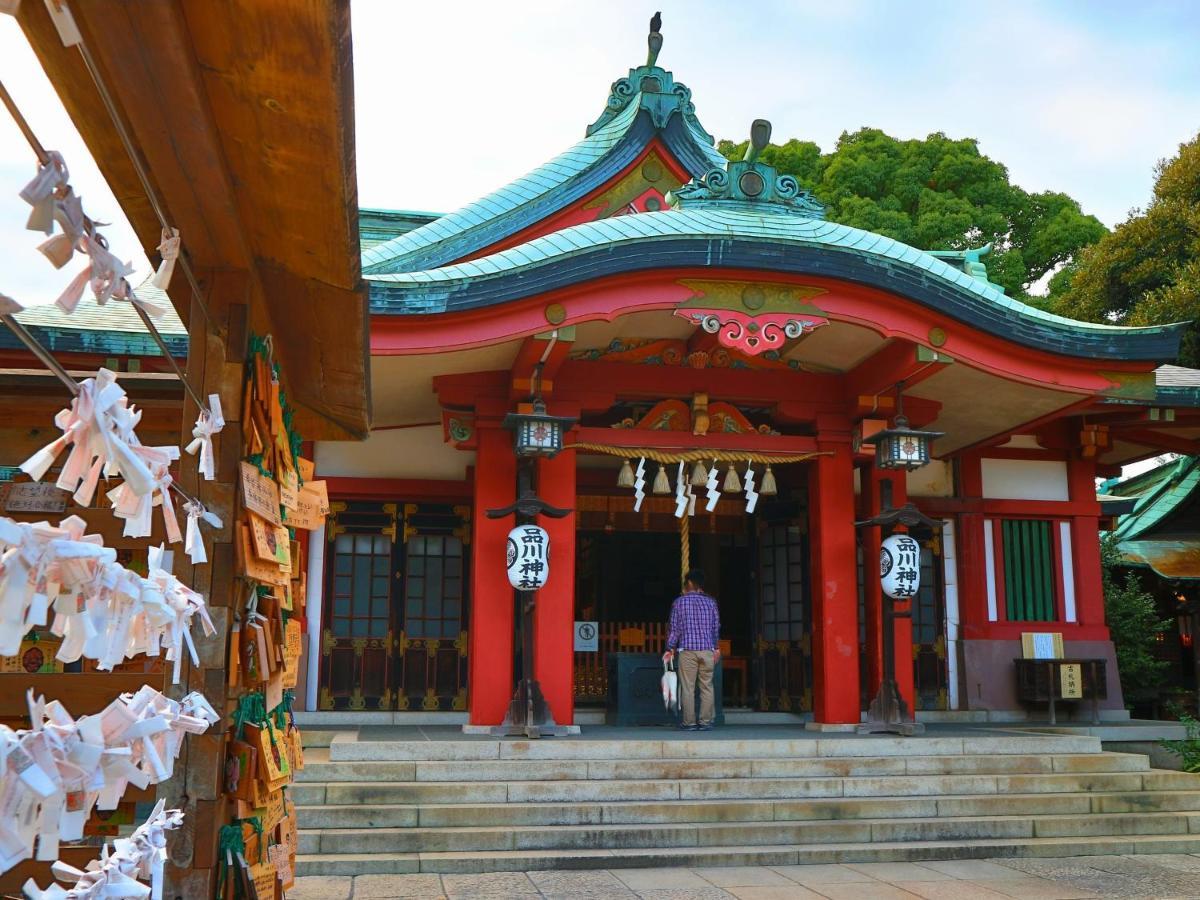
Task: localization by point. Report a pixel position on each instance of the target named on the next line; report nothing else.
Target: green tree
(1147, 271)
(1134, 625)
(938, 194)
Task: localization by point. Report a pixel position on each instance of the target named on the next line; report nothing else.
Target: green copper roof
(378, 225)
(1163, 489)
(114, 329)
(647, 104)
(769, 223)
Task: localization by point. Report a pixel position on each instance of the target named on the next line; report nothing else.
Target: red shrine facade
(712, 335)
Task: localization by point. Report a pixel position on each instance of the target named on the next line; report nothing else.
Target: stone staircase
(481, 805)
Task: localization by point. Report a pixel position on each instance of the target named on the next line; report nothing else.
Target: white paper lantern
(900, 567)
(528, 557)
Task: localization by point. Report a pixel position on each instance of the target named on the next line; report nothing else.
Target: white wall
(1025, 479)
(396, 453)
(933, 480)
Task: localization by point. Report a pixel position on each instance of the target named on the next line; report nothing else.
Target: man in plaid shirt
(693, 637)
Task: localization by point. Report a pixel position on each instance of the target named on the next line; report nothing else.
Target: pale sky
(455, 99)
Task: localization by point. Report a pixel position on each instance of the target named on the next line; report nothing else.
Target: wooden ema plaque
(260, 494)
(35, 497)
(254, 568)
(312, 506)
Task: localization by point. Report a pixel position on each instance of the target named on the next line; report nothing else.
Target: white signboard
(528, 557)
(587, 637)
(900, 567)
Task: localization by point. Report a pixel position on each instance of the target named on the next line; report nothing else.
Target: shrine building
(688, 314)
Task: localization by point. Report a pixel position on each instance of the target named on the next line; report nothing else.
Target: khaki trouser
(693, 663)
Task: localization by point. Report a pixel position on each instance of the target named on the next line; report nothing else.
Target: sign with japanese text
(26, 497)
(1071, 681)
(900, 567)
(528, 557)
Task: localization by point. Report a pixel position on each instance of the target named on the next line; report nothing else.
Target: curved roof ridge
(718, 235)
(618, 135)
(732, 223)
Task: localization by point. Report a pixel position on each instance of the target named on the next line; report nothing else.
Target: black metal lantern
(901, 447)
(535, 432)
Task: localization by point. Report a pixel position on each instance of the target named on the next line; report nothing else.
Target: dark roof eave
(105, 342)
(1156, 344)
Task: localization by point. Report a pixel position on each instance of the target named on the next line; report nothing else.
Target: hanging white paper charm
(639, 485)
(168, 249)
(712, 488)
(751, 493)
(681, 497)
(207, 425)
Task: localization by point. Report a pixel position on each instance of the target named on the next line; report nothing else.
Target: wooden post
(214, 366)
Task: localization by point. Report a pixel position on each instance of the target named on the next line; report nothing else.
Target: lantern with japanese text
(528, 557)
(900, 567)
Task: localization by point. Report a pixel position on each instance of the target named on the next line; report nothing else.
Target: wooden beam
(549, 350)
(1160, 441)
(897, 361)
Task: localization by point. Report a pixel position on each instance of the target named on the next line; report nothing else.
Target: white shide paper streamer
(52, 775)
(115, 875)
(58, 575)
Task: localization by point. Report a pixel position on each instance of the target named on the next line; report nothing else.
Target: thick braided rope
(674, 456)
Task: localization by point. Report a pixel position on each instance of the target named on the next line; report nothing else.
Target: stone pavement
(1150, 876)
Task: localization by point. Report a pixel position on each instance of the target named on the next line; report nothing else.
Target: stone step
(360, 863)
(731, 789)
(697, 811)
(720, 834)
(347, 747)
(319, 768)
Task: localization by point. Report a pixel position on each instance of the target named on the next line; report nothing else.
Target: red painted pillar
(869, 538)
(835, 585)
(972, 557)
(1085, 544)
(554, 622)
(490, 652)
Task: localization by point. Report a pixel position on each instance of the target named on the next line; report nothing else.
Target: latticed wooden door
(394, 635)
(784, 645)
(930, 671)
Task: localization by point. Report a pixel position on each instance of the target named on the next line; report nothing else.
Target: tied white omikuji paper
(54, 774)
(99, 428)
(101, 610)
(115, 875)
(209, 424)
(53, 200)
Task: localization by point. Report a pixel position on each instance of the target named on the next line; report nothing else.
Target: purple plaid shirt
(695, 622)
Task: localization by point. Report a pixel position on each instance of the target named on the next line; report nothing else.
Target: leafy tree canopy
(1134, 625)
(1147, 271)
(938, 194)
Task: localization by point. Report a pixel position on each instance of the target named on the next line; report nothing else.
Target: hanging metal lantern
(902, 447)
(536, 433)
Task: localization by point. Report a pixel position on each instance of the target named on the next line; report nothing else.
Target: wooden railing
(591, 670)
